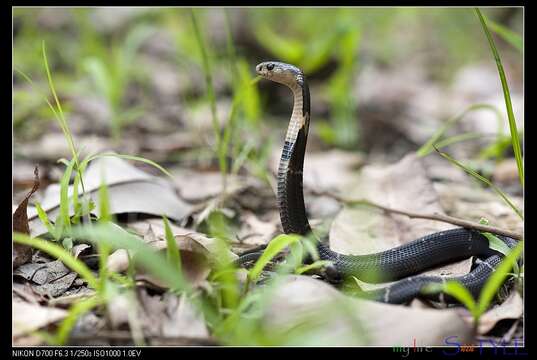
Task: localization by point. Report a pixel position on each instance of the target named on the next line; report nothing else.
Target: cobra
(400, 264)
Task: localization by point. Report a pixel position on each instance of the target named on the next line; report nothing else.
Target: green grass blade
(226, 271)
(60, 253)
(100, 75)
(310, 244)
(508, 35)
(218, 226)
(76, 310)
(273, 248)
(507, 97)
(497, 244)
(316, 265)
(497, 278)
(293, 260)
(75, 199)
(457, 290)
(64, 196)
(458, 138)
(172, 251)
(483, 179)
(45, 220)
(104, 203)
(104, 249)
(496, 149)
(134, 158)
(61, 117)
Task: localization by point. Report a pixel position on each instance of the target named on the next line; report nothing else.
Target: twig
(433, 216)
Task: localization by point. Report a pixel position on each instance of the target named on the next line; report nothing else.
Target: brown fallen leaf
(403, 185)
(30, 317)
(23, 253)
(130, 191)
(322, 316)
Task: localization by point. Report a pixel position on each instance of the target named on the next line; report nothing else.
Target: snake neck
(290, 192)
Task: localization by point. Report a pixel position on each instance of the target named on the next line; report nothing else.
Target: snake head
(280, 72)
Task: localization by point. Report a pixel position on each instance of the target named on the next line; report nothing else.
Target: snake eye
(270, 66)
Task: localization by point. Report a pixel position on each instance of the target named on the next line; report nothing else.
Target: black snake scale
(399, 263)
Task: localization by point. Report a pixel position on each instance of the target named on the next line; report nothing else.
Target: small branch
(434, 216)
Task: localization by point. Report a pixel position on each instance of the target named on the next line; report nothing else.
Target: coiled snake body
(394, 264)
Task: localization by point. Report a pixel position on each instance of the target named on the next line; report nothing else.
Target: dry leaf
(339, 320)
(23, 253)
(30, 317)
(130, 191)
(78, 249)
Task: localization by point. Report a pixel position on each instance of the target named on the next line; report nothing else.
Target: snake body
(399, 263)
